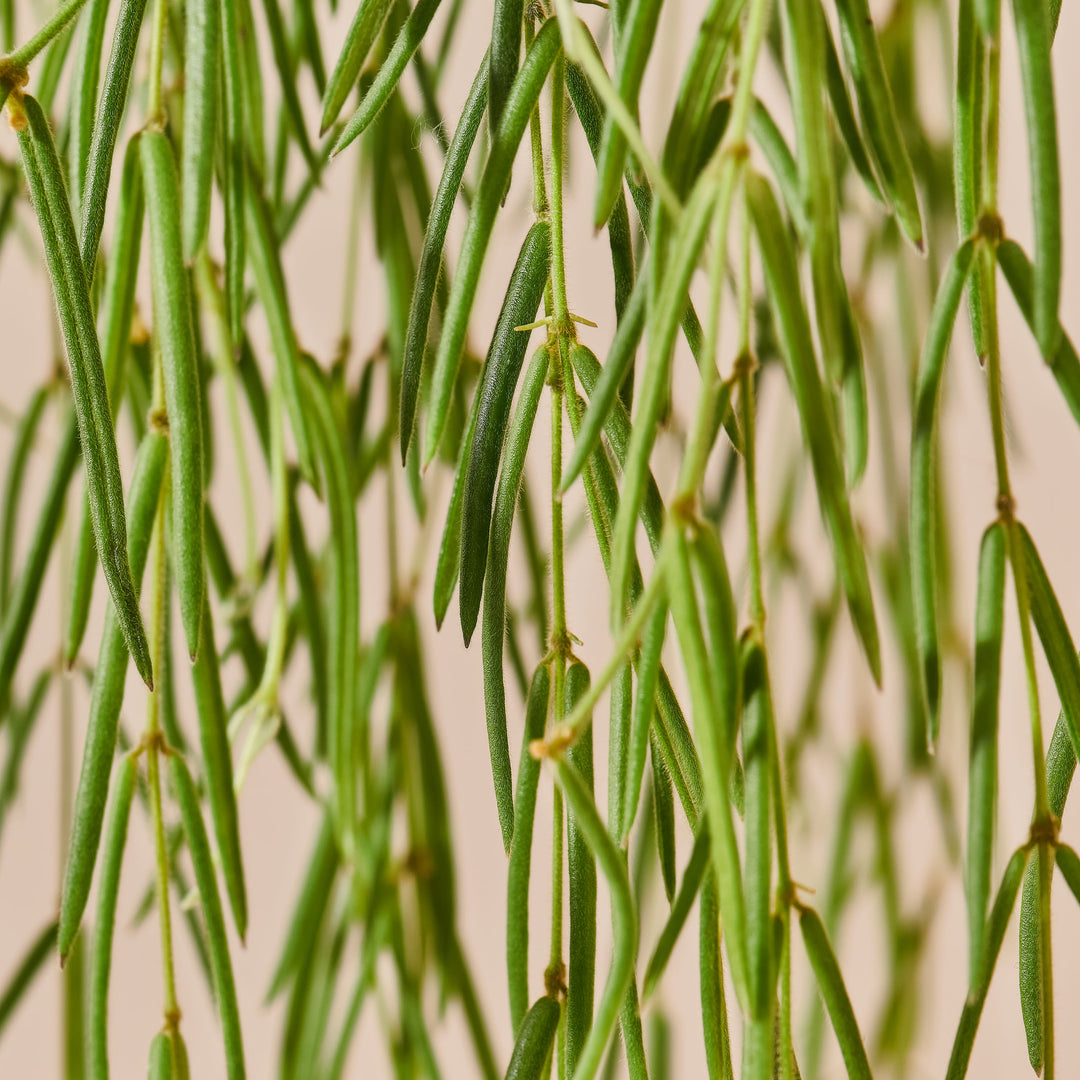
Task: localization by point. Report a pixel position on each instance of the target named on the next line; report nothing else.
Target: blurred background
(278, 822)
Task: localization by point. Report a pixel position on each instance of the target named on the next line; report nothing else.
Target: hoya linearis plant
(725, 239)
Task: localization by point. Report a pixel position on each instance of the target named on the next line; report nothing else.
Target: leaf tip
(65, 940)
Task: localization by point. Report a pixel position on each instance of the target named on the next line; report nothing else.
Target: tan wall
(277, 821)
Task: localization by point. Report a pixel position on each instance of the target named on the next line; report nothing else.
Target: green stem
(392, 533)
(540, 201)
(155, 104)
(560, 638)
(745, 365)
(16, 62)
(560, 642)
(222, 354)
(153, 743)
(557, 347)
(74, 969)
(757, 24)
(702, 430)
(275, 649)
(352, 258)
(67, 733)
(572, 725)
(1005, 500)
(1042, 823)
(579, 48)
(556, 307)
(727, 163)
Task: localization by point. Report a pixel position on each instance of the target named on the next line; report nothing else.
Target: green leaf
(837, 1002)
(922, 512)
(785, 296)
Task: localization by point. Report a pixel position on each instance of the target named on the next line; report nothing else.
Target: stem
(222, 354)
(728, 162)
(560, 640)
(579, 719)
(560, 644)
(25, 53)
(155, 104)
(745, 365)
(1042, 820)
(275, 649)
(352, 259)
(392, 533)
(1042, 813)
(702, 433)
(579, 48)
(555, 304)
(557, 343)
(757, 24)
(67, 733)
(1005, 500)
(559, 637)
(154, 743)
(263, 704)
(540, 201)
(74, 970)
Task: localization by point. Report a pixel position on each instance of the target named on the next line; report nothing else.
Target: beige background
(277, 823)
